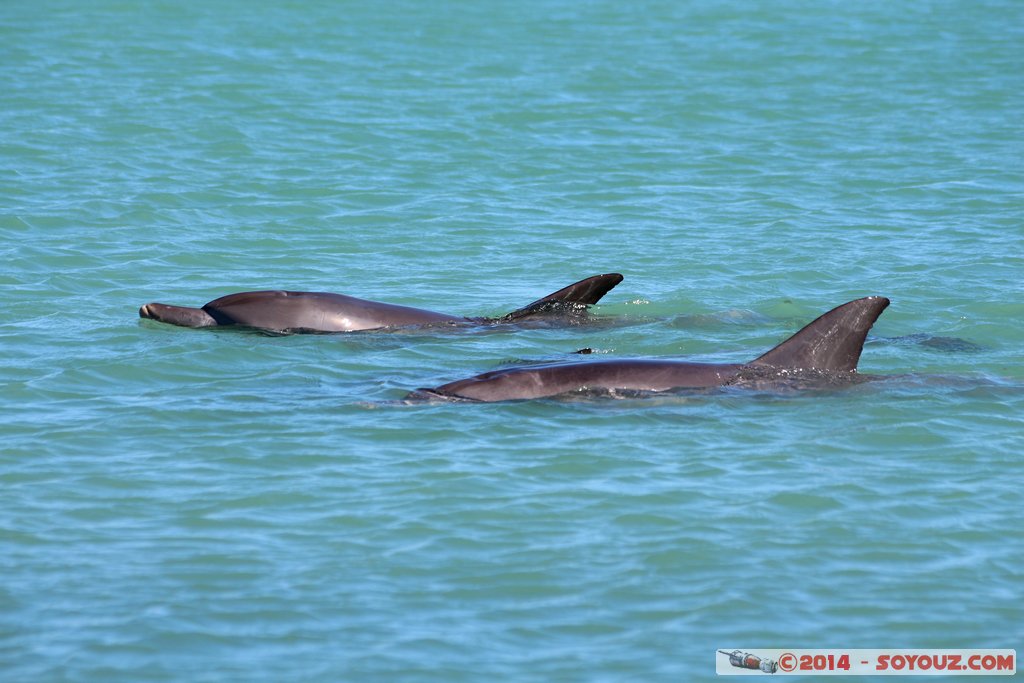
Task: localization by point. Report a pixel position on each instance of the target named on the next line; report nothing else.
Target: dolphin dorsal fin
(582, 293)
(832, 342)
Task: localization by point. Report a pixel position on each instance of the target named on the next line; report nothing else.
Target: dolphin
(292, 312)
(827, 348)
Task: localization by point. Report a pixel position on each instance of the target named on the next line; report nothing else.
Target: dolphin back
(832, 343)
(577, 295)
(289, 311)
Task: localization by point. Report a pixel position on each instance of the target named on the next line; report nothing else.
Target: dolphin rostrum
(829, 346)
(282, 311)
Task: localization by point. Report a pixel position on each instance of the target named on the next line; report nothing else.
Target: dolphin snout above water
(177, 315)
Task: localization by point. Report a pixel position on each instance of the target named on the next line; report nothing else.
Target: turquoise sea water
(197, 505)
